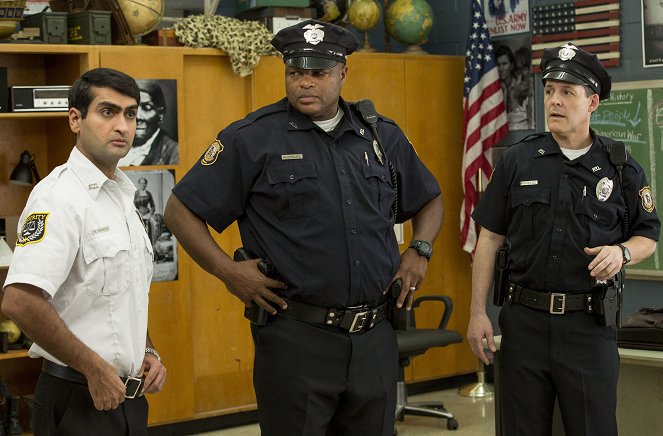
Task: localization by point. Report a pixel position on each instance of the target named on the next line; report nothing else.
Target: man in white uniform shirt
(80, 275)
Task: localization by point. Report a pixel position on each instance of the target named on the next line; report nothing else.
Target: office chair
(416, 341)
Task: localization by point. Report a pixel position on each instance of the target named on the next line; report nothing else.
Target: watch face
(627, 255)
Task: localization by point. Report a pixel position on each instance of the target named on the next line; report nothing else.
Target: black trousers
(64, 408)
(315, 381)
(571, 357)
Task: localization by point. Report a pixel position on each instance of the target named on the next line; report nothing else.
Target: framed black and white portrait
(153, 187)
(156, 140)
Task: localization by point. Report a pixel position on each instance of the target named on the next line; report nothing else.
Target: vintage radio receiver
(39, 98)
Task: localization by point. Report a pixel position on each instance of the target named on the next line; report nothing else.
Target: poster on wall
(514, 66)
(652, 33)
(156, 141)
(505, 17)
(152, 191)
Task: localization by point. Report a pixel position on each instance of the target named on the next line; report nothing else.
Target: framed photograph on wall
(514, 65)
(156, 140)
(152, 191)
(652, 33)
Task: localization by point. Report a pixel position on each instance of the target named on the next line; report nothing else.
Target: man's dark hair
(153, 88)
(80, 94)
(505, 50)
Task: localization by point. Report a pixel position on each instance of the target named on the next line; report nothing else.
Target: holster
(609, 302)
(401, 318)
(501, 278)
(254, 313)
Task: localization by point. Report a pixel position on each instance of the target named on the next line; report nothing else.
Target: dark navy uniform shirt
(548, 207)
(319, 206)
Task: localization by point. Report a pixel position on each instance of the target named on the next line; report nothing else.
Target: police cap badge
(569, 63)
(315, 45)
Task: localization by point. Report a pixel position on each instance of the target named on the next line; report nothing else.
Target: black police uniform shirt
(319, 206)
(548, 207)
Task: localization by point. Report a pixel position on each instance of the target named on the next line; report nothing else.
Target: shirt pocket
(107, 260)
(600, 218)
(295, 188)
(529, 203)
(381, 191)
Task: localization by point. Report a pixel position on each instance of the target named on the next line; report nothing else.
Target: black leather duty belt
(353, 319)
(555, 303)
(132, 384)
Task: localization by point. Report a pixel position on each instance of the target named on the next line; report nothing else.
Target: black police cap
(315, 45)
(569, 63)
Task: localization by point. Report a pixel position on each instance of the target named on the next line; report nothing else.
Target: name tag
(101, 230)
(292, 156)
(529, 182)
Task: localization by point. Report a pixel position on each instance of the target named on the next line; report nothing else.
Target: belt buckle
(132, 386)
(359, 321)
(557, 303)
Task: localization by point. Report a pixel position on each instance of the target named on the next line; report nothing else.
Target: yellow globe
(143, 16)
(364, 14)
(7, 325)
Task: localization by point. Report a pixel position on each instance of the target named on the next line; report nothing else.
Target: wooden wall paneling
(221, 341)
(381, 78)
(268, 82)
(434, 86)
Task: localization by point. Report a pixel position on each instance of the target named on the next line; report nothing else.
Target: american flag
(589, 24)
(484, 121)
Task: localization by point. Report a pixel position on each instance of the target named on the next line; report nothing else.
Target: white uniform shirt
(83, 243)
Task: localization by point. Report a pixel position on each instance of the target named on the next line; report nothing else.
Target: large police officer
(572, 222)
(311, 190)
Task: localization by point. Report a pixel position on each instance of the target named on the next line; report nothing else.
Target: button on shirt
(94, 261)
(548, 207)
(317, 204)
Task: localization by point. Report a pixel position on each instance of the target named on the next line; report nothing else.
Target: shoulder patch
(647, 199)
(33, 230)
(212, 153)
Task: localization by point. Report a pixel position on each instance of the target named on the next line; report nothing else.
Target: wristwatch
(153, 352)
(423, 248)
(626, 254)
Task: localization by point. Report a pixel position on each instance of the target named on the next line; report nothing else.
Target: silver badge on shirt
(604, 189)
(378, 153)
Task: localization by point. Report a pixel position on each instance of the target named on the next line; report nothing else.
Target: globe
(142, 16)
(332, 11)
(364, 14)
(409, 21)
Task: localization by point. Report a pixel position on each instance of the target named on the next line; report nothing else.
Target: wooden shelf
(14, 354)
(34, 115)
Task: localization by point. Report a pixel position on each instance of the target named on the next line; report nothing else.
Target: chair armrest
(448, 307)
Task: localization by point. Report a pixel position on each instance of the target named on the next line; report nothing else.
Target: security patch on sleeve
(647, 199)
(212, 153)
(33, 230)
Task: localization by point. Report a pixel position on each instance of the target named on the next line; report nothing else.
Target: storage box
(162, 37)
(52, 26)
(89, 27)
(277, 18)
(245, 5)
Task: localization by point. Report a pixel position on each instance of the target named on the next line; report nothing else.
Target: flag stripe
(484, 118)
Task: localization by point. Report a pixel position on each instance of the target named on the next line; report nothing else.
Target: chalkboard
(634, 115)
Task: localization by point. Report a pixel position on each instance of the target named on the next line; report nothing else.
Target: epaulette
(530, 137)
(260, 113)
(381, 117)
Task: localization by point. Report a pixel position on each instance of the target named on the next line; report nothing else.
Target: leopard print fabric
(244, 41)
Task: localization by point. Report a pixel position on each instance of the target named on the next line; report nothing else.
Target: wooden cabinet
(195, 323)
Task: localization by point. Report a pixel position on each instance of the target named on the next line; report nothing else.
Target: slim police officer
(80, 276)
(311, 190)
(562, 204)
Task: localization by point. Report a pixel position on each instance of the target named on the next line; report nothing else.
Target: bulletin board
(634, 115)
